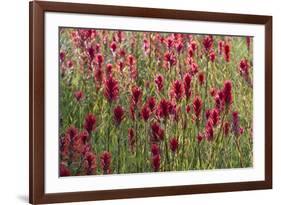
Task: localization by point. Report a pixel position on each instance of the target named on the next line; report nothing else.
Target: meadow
(135, 102)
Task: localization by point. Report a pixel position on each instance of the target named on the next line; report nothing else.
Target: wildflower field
(134, 102)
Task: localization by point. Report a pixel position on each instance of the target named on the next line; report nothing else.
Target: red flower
(79, 95)
(244, 68)
(174, 144)
(226, 52)
(145, 113)
(201, 78)
(199, 137)
(212, 56)
(159, 81)
(227, 92)
(177, 90)
(72, 132)
(187, 85)
(136, 94)
(187, 108)
(215, 116)
(64, 170)
(99, 59)
(226, 128)
(193, 45)
(131, 138)
(208, 43)
(220, 46)
(111, 89)
(151, 103)
(155, 162)
(209, 130)
(131, 60)
(90, 163)
(197, 106)
(235, 124)
(157, 133)
(155, 150)
(170, 58)
(108, 69)
(113, 47)
(62, 56)
(163, 109)
(98, 76)
(118, 114)
(90, 123)
(105, 161)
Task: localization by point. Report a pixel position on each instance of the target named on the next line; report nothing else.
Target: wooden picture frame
(37, 10)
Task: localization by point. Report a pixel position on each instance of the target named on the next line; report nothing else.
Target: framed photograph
(139, 102)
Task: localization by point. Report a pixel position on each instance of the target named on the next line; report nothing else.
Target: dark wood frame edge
(36, 102)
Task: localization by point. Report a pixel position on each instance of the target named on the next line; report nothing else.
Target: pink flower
(174, 144)
(215, 116)
(111, 89)
(79, 95)
(99, 59)
(159, 81)
(209, 130)
(170, 59)
(220, 46)
(105, 161)
(212, 56)
(244, 69)
(157, 133)
(62, 56)
(109, 69)
(113, 47)
(90, 123)
(118, 114)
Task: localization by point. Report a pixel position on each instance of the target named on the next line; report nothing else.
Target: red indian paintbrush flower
(113, 47)
(111, 89)
(109, 69)
(159, 81)
(199, 137)
(209, 130)
(177, 90)
(90, 123)
(226, 128)
(237, 130)
(72, 131)
(155, 162)
(215, 116)
(131, 138)
(207, 43)
(163, 109)
(226, 48)
(98, 77)
(62, 56)
(105, 161)
(212, 56)
(227, 92)
(151, 103)
(170, 59)
(64, 170)
(118, 114)
(174, 144)
(131, 60)
(201, 78)
(157, 133)
(197, 106)
(220, 46)
(136, 95)
(99, 59)
(79, 95)
(90, 163)
(155, 150)
(244, 69)
(187, 85)
(145, 113)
